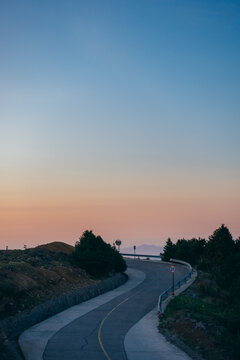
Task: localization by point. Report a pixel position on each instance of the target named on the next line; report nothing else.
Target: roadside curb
(180, 285)
(33, 341)
(144, 341)
(178, 291)
(170, 338)
(13, 326)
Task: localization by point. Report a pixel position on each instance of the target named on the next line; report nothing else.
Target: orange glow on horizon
(139, 220)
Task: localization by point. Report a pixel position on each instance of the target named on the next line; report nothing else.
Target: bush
(186, 250)
(204, 265)
(97, 257)
(7, 288)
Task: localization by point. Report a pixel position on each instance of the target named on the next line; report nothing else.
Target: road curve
(99, 335)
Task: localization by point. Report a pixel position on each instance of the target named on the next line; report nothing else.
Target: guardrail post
(179, 283)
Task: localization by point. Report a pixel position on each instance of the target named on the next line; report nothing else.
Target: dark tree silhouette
(220, 258)
(97, 257)
(220, 245)
(168, 250)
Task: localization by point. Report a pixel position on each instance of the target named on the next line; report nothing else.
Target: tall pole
(172, 270)
(173, 283)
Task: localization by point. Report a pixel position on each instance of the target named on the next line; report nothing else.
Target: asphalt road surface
(99, 334)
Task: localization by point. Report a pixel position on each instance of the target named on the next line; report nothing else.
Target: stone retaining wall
(13, 326)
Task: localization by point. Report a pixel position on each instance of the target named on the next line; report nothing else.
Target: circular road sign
(172, 268)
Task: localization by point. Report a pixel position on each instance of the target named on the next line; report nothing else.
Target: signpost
(172, 269)
(134, 250)
(118, 243)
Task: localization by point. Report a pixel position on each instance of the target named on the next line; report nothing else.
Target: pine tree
(220, 245)
(168, 250)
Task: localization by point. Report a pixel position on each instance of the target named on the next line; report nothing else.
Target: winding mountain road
(99, 334)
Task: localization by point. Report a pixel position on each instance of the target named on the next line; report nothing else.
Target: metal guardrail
(177, 285)
(142, 255)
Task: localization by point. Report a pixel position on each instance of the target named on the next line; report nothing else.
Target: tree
(97, 257)
(187, 250)
(197, 248)
(168, 250)
(237, 245)
(183, 250)
(220, 246)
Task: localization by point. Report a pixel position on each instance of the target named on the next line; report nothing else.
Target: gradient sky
(118, 116)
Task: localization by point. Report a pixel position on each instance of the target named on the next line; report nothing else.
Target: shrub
(97, 257)
(204, 265)
(7, 288)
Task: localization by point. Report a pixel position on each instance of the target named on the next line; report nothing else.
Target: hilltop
(57, 246)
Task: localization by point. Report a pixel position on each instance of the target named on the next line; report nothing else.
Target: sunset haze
(121, 117)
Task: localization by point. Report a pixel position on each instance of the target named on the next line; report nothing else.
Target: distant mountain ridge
(143, 249)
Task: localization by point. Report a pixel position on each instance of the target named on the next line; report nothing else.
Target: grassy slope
(200, 318)
(32, 276)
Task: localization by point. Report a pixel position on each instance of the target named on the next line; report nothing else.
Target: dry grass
(32, 276)
(57, 246)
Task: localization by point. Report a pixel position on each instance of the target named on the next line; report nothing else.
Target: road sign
(118, 243)
(134, 250)
(172, 269)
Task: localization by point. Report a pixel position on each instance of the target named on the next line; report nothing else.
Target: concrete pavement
(143, 341)
(96, 329)
(34, 340)
(100, 334)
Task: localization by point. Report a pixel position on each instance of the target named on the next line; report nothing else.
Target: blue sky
(121, 96)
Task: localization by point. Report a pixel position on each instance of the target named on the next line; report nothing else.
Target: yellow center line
(101, 325)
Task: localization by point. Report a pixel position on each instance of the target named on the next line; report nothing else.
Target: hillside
(57, 246)
(29, 277)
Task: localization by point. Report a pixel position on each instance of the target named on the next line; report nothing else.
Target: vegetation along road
(99, 334)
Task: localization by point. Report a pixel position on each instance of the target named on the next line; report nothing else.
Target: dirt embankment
(32, 276)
